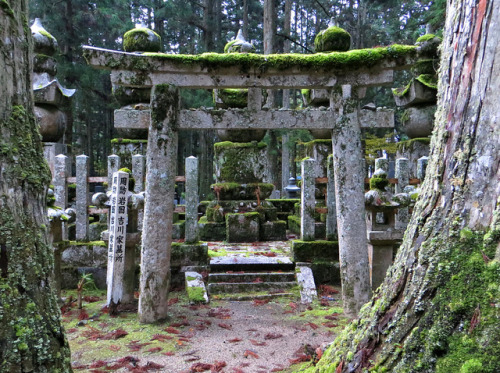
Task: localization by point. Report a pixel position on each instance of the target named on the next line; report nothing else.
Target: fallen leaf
(155, 349)
(115, 348)
(194, 358)
(257, 343)
(83, 315)
(115, 334)
(98, 364)
(312, 325)
(200, 367)
(329, 325)
(476, 319)
(161, 337)
(248, 353)
(234, 340)
(217, 366)
(331, 317)
(340, 367)
(225, 326)
(169, 353)
(173, 301)
(300, 359)
(260, 302)
(273, 336)
(172, 330)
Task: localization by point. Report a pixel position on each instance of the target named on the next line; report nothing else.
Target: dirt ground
(223, 336)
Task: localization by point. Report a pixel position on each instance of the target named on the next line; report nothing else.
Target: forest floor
(224, 336)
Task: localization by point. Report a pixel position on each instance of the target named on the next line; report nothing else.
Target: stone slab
(195, 287)
(306, 283)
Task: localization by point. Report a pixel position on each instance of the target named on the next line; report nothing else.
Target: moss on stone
(334, 61)
(128, 141)
(310, 251)
(88, 243)
(425, 37)
(378, 183)
(234, 98)
(196, 294)
(333, 39)
(141, 39)
(409, 144)
(425, 66)
(231, 145)
(429, 80)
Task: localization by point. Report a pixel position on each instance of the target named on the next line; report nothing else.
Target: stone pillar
(403, 177)
(138, 170)
(191, 230)
(61, 167)
(159, 208)
(308, 201)
(113, 166)
(382, 164)
(349, 190)
(331, 217)
(82, 198)
(286, 161)
(421, 167)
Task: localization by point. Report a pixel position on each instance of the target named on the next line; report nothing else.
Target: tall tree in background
(438, 308)
(31, 336)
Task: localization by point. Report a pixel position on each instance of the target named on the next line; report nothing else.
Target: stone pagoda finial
(141, 39)
(239, 45)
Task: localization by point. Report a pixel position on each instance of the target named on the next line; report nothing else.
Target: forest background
(198, 26)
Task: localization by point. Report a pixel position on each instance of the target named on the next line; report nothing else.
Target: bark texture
(438, 309)
(31, 336)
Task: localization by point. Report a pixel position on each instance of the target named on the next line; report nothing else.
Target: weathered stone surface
(308, 201)
(82, 198)
(191, 233)
(158, 70)
(273, 231)
(159, 208)
(413, 150)
(403, 176)
(52, 122)
(418, 93)
(137, 117)
(310, 251)
(419, 121)
(242, 227)
(195, 288)
(189, 254)
(211, 231)
(422, 167)
(138, 172)
(306, 283)
(50, 152)
(331, 217)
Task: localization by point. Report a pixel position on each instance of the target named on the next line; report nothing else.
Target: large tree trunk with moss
(31, 336)
(438, 309)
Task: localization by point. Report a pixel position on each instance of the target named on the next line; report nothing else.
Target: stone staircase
(257, 271)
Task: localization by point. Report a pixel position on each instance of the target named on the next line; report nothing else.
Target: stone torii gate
(346, 75)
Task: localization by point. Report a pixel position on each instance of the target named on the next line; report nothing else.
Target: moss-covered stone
(285, 204)
(326, 272)
(189, 254)
(211, 231)
(273, 231)
(196, 294)
(248, 191)
(409, 144)
(234, 98)
(243, 227)
(310, 251)
(429, 80)
(379, 183)
(141, 39)
(294, 224)
(333, 39)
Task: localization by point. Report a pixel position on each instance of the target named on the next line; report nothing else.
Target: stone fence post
(138, 172)
(308, 201)
(82, 198)
(113, 166)
(191, 230)
(421, 167)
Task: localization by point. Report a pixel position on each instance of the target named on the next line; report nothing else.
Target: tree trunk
(31, 336)
(438, 308)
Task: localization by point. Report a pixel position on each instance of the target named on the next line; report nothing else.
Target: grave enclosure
(341, 78)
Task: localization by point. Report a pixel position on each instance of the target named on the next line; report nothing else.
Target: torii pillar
(350, 201)
(159, 206)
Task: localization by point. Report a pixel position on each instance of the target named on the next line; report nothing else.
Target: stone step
(251, 263)
(250, 287)
(252, 277)
(251, 296)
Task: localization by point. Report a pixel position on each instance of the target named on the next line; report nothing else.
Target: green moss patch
(409, 144)
(128, 141)
(333, 39)
(429, 80)
(234, 98)
(141, 40)
(310, 251)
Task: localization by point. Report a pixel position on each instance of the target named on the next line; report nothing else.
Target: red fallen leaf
(258, 280)
(150, 366)
(225, 326)
(330, 325)
(248, 353)
(273, 336)
(217, 366)
(476, 319)
(155, 349)
(105, 309)
(115, 334)
(72, 330)
(98, 364)
(257, 343)
(327, 289)
(192, 359)
(319, 353)
(91, 298)
(222, 313)
(234, 340)
(324, 303)
(92, 334)
(331, 317)
(172, 330)
(79, 366)
(270, 254)
(260, 302)
(161, 337)
(287, 311)
(279, 368)
(300, 359)
(114, 348)
(182, 339)
(169, 353)
(312, 325)
(173, 301)
(340, 367)
(200, 367)
(251, 330)
(83, 315)
(237, 370)
(135, 346)
(293, 305)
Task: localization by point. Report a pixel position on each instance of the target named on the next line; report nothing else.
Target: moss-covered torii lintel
(360, 68)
